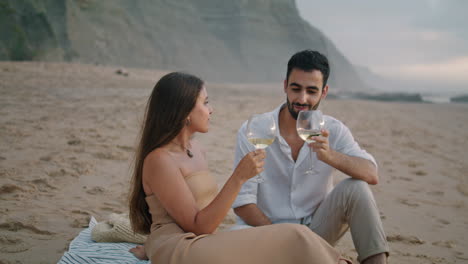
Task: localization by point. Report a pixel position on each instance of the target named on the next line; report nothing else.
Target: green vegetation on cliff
(26, 29)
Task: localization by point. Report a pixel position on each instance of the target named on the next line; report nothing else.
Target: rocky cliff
(221, 40)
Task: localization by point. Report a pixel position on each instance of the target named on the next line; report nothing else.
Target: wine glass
(261, 132)
(310, 124)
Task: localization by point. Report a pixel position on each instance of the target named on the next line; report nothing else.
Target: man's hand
(357, 168)
(321, 146)
(252, 215)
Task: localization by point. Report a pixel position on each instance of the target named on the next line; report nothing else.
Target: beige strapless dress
(279, 243)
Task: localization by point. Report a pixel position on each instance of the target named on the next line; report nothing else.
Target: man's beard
(295, 114)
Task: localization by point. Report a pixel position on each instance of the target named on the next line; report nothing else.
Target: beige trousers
(350, 205)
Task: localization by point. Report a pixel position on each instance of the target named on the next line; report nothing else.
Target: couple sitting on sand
(295, 217)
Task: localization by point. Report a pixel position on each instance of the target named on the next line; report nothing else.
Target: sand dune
(68, 133)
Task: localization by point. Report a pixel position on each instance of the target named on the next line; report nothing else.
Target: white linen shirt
(288, 193)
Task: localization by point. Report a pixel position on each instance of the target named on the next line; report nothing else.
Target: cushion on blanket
(116, 229)
(84, 250)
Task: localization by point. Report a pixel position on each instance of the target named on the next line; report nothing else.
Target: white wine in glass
(307, 134)
(261, 143)
(310, 124)
(261, 132)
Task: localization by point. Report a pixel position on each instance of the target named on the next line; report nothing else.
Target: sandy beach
(68, 134)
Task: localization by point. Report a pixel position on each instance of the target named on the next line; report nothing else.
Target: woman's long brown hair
(173, 98)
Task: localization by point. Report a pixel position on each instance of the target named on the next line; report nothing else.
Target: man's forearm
(252, 215)
(355, 167)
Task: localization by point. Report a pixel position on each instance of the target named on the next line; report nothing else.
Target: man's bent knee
(354, 190)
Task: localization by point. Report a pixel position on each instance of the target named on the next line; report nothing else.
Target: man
(288, 194)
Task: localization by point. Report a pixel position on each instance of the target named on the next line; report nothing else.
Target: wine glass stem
(259, 178)
(311, 160)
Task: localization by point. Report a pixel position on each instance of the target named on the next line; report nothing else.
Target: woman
(175, 199)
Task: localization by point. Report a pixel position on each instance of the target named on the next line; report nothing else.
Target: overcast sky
(403, 39)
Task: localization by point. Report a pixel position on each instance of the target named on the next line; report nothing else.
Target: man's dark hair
(309, 60)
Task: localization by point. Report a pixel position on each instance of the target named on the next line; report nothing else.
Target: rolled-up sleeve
(248, 192)
(347, 145)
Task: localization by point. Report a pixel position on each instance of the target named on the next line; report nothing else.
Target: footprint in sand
(463, 189)
(408, 203)
(57, 173)
(458, 205)
(80, 212)
(444, 243)
(436, 193)
(95, 136)
(414, 164)
(50, 156)
(127, 148)
(428, 259)
(410, 240)
(46, 158)
(10, 188)
(461, 255)
(405, 178)
(6, 173)
(15, 226)
(43, 185)
(15, 192)
(80, 223)
(81, 168)
(111, 207)
(74, 142)
(80, 218)
(10, 244)
(95, 190)
(419, 173)
(109, 155)
(443, 221)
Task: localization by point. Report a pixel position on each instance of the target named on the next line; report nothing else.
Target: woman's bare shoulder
(158, 164)
(159, 159)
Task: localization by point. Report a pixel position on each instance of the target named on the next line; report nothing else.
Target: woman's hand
(251, 165)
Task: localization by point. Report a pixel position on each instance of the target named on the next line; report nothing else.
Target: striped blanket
(84, 250)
